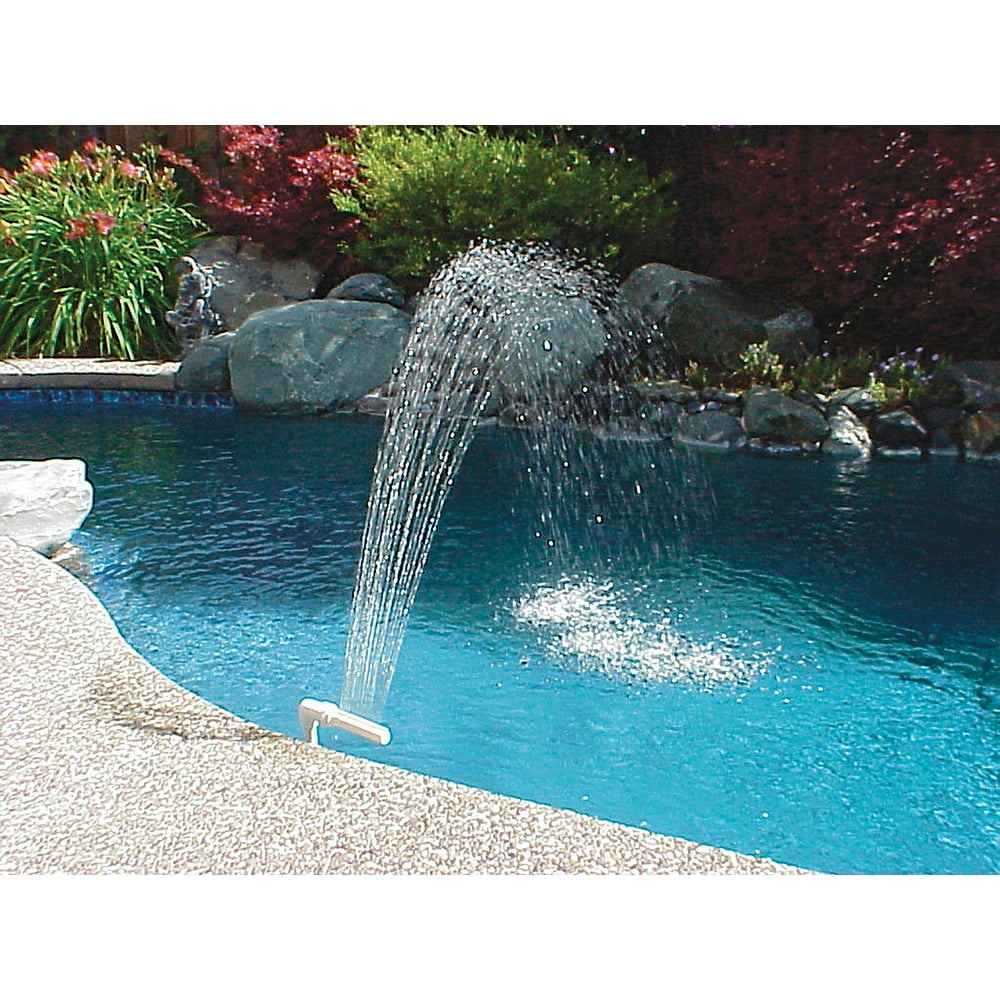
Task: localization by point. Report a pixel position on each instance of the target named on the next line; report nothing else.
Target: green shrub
(425, 194)
(87, 245)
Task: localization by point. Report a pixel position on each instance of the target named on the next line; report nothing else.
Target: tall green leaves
(86, 250)
(424, 194)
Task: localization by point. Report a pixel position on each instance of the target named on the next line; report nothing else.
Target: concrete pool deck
(107, 766)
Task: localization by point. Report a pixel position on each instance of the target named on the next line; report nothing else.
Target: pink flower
(103, 222)
(43, 162)
(130, 169)
(78, 228)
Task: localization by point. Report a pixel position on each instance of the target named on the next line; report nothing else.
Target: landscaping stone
(982, 432)
(898, 429)
(859, 400)
(668, 391)
(769, 413)
(849, 436)
(705, 320)
(567, 336)
(205, 365)
(246, 280)
(369, 288)
(43, 503)
(315, 356)
(714, 430)
(978, 381)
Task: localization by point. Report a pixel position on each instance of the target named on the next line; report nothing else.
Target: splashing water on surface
(588, 622)
(503, 322)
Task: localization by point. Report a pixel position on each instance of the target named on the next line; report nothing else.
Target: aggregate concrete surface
(107, 766)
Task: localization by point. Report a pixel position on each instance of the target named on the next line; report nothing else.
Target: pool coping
(108, 767)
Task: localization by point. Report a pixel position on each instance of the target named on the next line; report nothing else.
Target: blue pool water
(797, 659)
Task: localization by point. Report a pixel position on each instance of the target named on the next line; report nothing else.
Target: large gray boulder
(245, 279)
(43, 503)
(315, 356)
(702, 319)
(548, 345)
(205, 365)
(769, 413)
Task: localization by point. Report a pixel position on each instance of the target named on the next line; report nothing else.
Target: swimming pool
(791, 658)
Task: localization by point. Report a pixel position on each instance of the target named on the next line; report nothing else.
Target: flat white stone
(43, 503)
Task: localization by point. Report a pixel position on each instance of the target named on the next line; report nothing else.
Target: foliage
(86, 247)
(881, 234)
(904, 377)
(759, 365)
(898, 380)
(280, 189)
(426, 193)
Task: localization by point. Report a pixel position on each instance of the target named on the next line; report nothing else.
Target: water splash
(515, 325)
(586, 622)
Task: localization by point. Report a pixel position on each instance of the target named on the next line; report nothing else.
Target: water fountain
(515, 328)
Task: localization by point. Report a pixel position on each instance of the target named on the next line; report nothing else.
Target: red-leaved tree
(276, 188)
(888, 235)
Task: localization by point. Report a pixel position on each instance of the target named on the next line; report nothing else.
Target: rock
(714, 430)
(859, 400)
(668, 391)
(810, 399)
(246, 280)
(978, 381)
(43, 503)
(566, 336)
(898, 429)
(711, 394)
(704, 320)
(981, 432)
(849, 437)
(205, 365)
(315, 356)
(791, 334)
(369, 288)
(769, 413)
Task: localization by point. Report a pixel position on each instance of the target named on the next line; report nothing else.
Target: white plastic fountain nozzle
(313, 714)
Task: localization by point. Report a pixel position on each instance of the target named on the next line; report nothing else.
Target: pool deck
(107, 766)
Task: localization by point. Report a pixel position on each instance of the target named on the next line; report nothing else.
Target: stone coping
(107, 766)
(87, 373)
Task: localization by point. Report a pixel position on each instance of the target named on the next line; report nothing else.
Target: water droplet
(551, 543)
(638, 488)
(546, 345)
(599, 519)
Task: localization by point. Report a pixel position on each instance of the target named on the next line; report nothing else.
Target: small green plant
(424, 194)
(759, 365)
(87, 244)
(695, 376)
(903, 378)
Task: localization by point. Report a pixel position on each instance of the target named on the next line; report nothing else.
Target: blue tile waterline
(118, 397)
(224, 545)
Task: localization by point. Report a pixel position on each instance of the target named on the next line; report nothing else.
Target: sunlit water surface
(795, 659)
